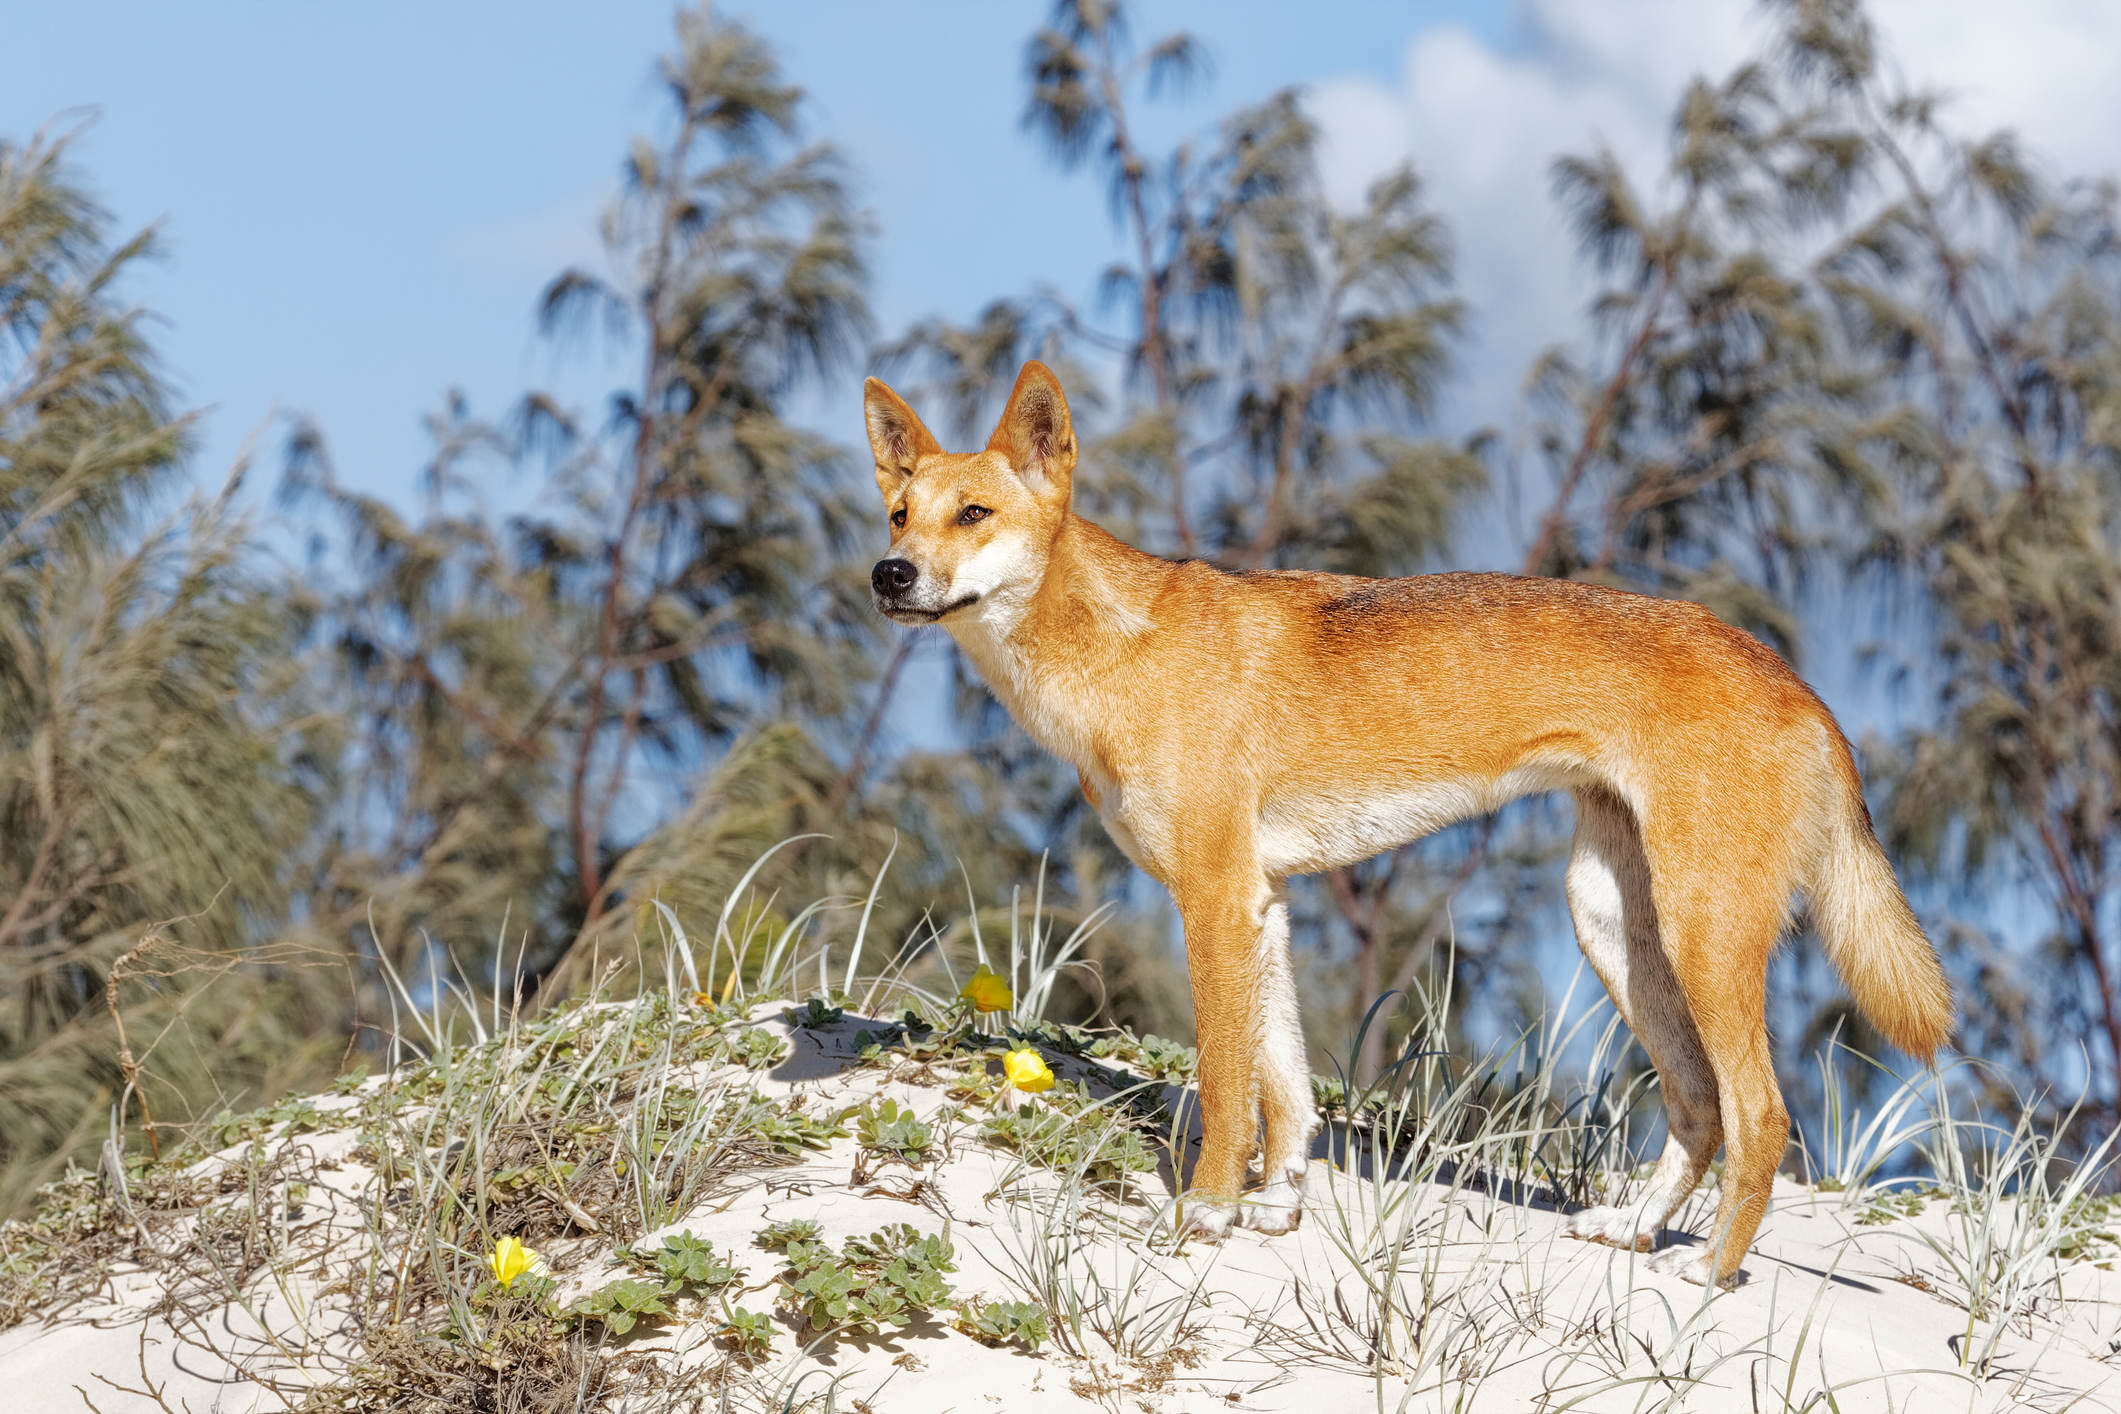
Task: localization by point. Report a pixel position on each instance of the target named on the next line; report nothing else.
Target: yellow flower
(987, 992)
(511, 1259)
(1027, 1070)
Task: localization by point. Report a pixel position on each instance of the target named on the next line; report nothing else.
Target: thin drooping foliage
(532, 687)
(149, 730)
(626, 689)
(1981, 304)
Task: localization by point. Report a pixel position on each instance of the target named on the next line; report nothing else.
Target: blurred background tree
(1848, 373)
(1979, 302)
(637, 683)
(152, 741)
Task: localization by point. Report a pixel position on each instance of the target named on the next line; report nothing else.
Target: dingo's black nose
(893, 577)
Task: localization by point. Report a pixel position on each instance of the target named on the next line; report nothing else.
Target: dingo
(1232, 730)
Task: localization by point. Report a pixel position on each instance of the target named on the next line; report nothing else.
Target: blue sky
(361, 203)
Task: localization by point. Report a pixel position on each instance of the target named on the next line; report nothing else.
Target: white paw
(1276, 1208)
(1210, 1222)
(1689, 1264)
(1615, 1227)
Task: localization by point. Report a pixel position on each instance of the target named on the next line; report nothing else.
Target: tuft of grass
(2020, 1207)
(1855, 1149)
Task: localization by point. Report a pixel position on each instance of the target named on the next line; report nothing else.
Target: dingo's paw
(1691, 1264)
(1615, 1227)
(1208, 1222)
(1276, 1208)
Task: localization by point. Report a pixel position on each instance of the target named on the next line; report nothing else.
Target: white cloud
(2049, 68)
(1482, 125)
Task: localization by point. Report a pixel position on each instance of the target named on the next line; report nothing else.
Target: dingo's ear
(1035, 433)
(896, 435)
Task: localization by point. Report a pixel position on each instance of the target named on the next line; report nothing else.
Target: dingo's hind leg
(1729, 1008)
(1608, 887)
(1718, 929)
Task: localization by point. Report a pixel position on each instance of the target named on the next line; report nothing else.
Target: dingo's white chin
(910, 614)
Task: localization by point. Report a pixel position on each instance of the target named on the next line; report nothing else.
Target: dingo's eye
(898, 519)
(972, 513)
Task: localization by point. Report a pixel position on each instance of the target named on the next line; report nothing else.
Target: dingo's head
(969, 527)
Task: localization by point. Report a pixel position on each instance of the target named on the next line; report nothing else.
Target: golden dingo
(1233, 730)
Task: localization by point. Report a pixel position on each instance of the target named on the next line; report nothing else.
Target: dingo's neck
(1058, 652)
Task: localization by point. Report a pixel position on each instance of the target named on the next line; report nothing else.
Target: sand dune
(334, 1254)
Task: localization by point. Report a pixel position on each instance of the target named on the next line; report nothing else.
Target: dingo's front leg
(1223, 913)
(1283, 1077)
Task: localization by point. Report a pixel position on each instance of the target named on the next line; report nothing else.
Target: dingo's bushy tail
(1871, 934)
